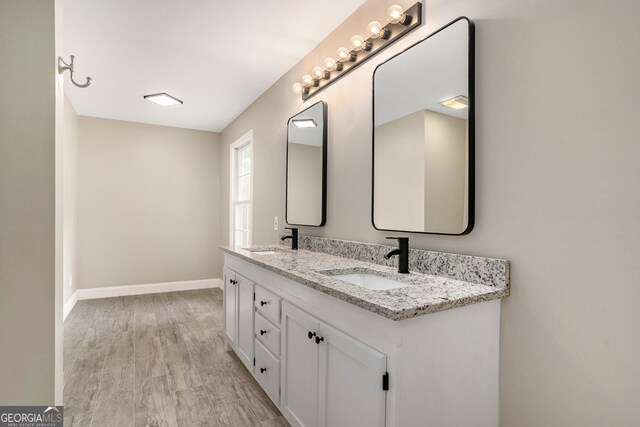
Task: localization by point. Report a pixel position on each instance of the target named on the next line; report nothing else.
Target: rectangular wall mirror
(307, 167)
(423, 135)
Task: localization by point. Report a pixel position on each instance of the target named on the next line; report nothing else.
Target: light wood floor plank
(114, 404)
(157, 360)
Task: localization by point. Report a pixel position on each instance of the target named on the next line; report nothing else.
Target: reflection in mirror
(306, 166)
(423, 135)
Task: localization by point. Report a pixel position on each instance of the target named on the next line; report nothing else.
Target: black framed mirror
(306, 191)
(423, 135)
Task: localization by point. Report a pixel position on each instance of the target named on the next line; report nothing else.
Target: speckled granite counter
(425, 293)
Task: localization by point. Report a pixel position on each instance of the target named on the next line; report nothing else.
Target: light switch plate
(275, 223)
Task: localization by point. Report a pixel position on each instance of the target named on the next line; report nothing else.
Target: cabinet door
(299, 381)
(244, 325)
(350, 381)
(230, 307)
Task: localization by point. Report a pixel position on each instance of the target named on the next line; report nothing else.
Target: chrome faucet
(293, 236)
(402, 252)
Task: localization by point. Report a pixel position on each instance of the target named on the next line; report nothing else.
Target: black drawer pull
(311, 334)
(263, 303)
(263, 370)
(262, 332)
(318, 339)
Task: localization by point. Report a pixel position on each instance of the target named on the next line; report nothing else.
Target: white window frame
(243, 141)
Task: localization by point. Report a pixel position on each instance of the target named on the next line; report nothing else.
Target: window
(241, 190)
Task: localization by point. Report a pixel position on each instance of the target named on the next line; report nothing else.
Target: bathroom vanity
(348, 341)
(334, 333)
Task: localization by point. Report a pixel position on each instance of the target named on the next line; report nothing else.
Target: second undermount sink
(367, 280)
(263, 250)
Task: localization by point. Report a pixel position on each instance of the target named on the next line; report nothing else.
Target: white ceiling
(217, 56)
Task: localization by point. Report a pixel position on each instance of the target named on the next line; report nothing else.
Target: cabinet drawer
(267, 372)
(267, 334)
(268, 304)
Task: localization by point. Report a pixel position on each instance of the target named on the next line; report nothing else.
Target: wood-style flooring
(157, 360)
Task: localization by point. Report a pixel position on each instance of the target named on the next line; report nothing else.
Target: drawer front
(268, 304)
(267, 372)
(267, 334)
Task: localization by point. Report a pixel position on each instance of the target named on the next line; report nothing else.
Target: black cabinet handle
(263, 370)
(263, 303)
(262, 332)
(233, 282)
(311, 334)
(318, 339)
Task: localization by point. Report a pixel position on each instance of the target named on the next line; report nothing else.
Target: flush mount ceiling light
(163, 99)
(457, 103)
(305, 123)
(400, 22)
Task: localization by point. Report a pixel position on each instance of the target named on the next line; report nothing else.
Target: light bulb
(317, 73)
(357, 43)
(343, 54)
(374, 29)
(395, 14)
(307, 80)
(297, 88)
(330, 64)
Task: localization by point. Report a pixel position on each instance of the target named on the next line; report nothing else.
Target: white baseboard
(68, 306)
(149, 288)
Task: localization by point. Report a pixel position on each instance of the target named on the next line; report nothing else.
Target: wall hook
(63, 66)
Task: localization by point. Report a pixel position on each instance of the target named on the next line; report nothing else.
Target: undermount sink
(263, 250)
(368, 280)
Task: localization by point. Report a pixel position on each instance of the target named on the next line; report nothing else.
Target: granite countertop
(424, 294)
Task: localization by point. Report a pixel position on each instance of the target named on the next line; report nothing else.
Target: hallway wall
(148, 204)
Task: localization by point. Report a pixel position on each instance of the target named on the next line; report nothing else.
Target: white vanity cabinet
(230, 306)
(329, 378)
(300, 356)
(238, 315)
(267, 341)
(325, 362)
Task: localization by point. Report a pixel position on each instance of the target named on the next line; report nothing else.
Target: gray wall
(557, 190)
(27, 202)
(445, 173)
(305, 184)
(400, 173)
(148, 204)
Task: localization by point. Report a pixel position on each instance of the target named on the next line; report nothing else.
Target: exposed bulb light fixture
(330, 64)
(343, 54)
(307, 80)
(375, 30)
(358, 43)
(395, 14)
(304, 123)
(360, 49)
(163, 99)
(318, 73)
(457, 103)
(297, 88)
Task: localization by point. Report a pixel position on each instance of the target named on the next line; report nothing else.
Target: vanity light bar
(304, 123)
(457, 103)
(400, 22)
